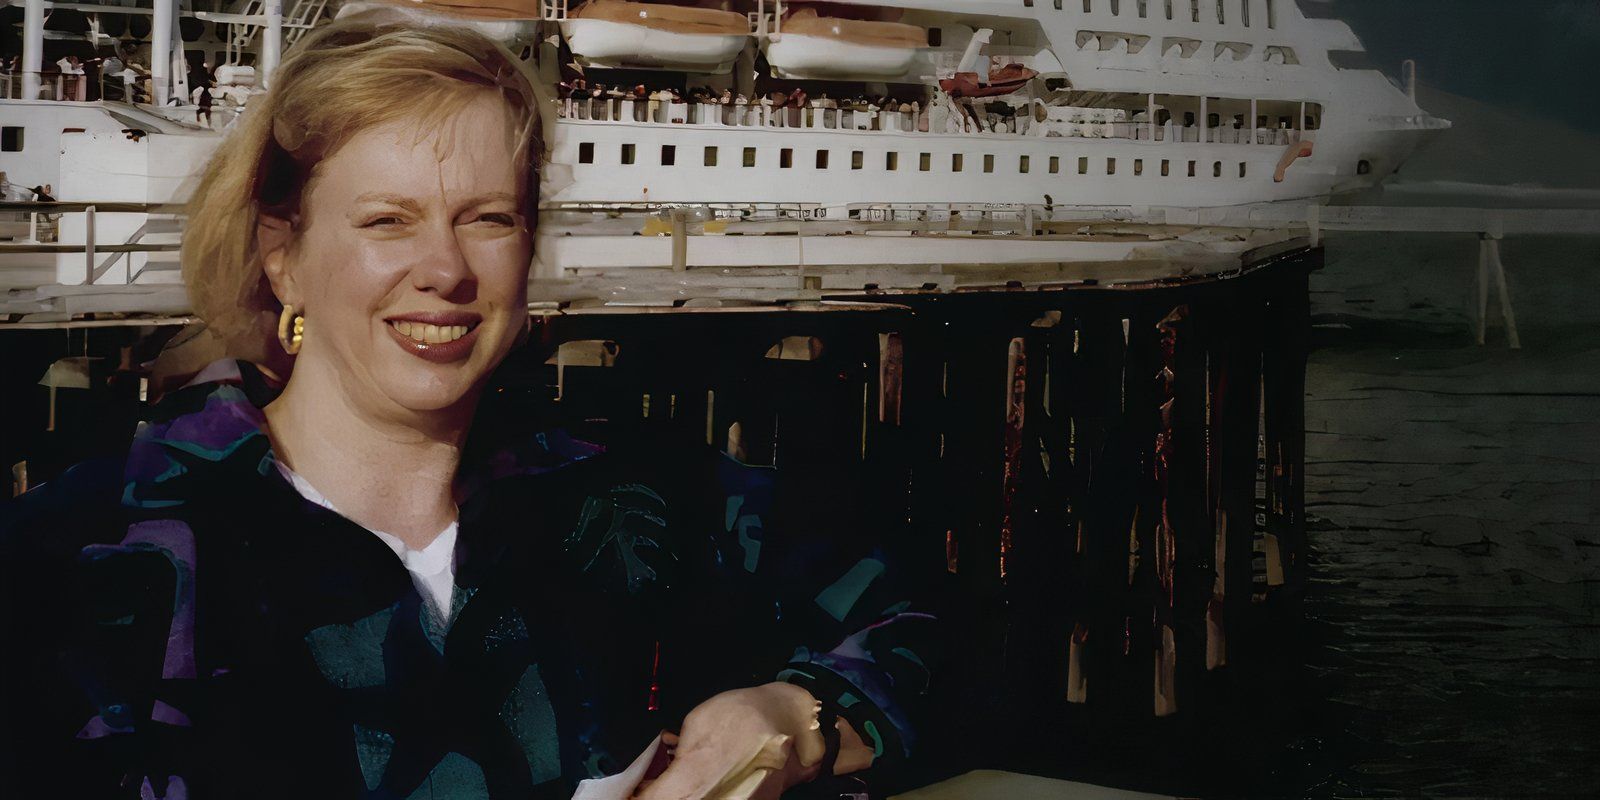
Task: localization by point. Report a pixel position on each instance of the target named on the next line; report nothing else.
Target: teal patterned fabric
(221, 636)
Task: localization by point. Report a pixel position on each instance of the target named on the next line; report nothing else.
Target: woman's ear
(273, 237)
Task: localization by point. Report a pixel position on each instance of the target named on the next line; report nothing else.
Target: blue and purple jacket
(182, 623)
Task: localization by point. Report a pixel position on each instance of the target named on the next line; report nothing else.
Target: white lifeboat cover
(806, 22)
(812, 46)
(662, 17)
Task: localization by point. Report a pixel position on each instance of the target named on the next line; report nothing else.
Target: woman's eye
(381, 222)
(498, 218)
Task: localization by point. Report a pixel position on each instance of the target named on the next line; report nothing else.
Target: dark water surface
(1452, 491)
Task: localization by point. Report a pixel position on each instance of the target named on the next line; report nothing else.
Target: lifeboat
(1002, 81)
(812, 46)
(478, 9)
(622, 33)
(502, 20)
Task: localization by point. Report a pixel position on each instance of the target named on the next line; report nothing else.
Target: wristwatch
(828, 719)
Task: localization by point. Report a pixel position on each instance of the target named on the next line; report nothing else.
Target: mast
(161, 50)
(969, 58)
(32, 48)
(272, 41)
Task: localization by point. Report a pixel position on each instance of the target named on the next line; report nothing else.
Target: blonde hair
(344, 77)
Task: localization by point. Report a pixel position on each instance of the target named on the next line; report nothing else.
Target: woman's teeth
(430, 334)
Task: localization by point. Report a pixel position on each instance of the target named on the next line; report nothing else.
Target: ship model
(1010, 272)
(761, 151)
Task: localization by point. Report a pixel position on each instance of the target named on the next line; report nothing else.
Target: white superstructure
(770, 149)
(1258, 71)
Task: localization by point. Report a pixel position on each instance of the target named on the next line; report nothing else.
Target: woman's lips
(438, 352)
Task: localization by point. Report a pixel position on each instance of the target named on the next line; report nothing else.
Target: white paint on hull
(1115, 172)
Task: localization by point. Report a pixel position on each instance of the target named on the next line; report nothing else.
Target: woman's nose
(441, 267)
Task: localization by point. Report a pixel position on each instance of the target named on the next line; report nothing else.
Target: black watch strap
(828, 718)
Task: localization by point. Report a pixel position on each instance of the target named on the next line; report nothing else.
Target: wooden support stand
(1075, 470)
(1491, 268)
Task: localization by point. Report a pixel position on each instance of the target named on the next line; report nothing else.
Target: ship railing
(1170, 132)
(742, 115)
(42, 220)
(52, 86)
(815, 116)
(26, 222)
(58, 86)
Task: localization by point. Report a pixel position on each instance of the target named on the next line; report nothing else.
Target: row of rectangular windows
(1194, 9)
(669, 157)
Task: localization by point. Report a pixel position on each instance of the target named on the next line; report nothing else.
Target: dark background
(1533, 56)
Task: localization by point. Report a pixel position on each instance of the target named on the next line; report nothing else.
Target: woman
(321, 587)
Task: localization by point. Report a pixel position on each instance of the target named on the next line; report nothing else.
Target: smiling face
(410, 262)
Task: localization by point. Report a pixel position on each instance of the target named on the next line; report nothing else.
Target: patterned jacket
(182, 623)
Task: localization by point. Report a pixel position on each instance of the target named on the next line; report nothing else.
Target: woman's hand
(770, 729)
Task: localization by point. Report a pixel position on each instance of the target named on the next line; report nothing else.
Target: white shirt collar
(432, 567)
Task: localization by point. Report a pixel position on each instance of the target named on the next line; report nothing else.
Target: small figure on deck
(71, 86)
(111, 67)
(132, 75)
(203, 102)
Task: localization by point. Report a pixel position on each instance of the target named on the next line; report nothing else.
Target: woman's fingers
(810, 746)
(744, 744)
(696, 771)
(684, 778)
(742, 782)
(763, 784)
(717, 771)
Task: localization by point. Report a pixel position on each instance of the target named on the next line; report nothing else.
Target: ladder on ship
(302, 16)
(766, 25)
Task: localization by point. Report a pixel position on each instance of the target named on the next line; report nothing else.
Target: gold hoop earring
(291, 343)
